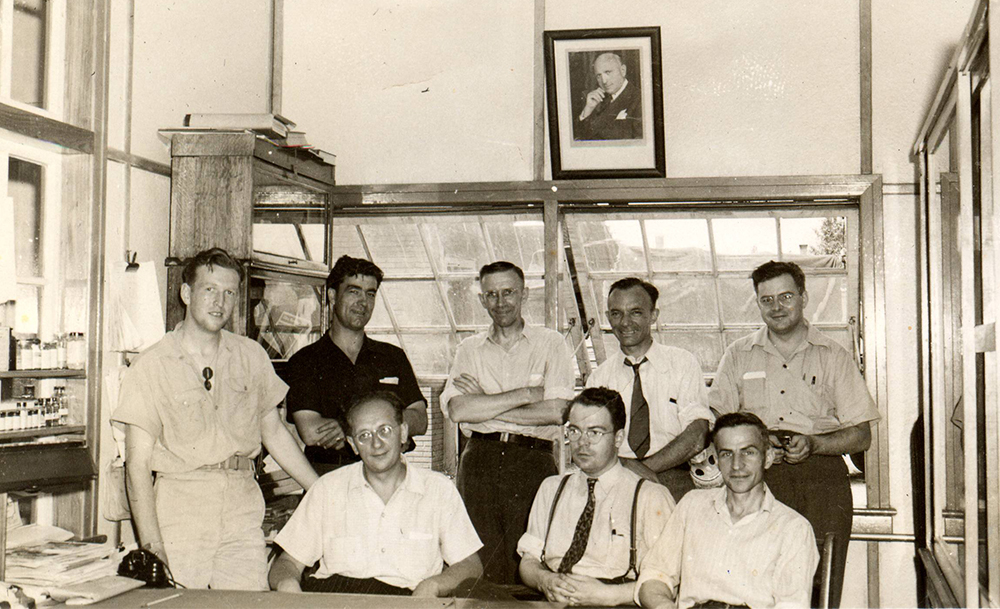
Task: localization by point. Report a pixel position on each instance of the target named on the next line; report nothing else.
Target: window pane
(815, 242)
(416, 304)
(706, 346)
(28, 309)
(739, 303)
(521, 242)
(457, 247)
(430, 354)
(346, 241)
(25, 187)
(613, 245)
(463, 296)
(285, 316)
(679, 245)
(397, 249)
(687, 300)
(287, 240)
(28, 37)
(745, 243)
(827, 299)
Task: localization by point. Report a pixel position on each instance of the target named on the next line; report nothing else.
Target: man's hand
(594, 98)
(636, 466)
(331, 435)
(429, 588)
(798, 448)
(468, 384)
(556, 587)
(289, 585)
(588, 591)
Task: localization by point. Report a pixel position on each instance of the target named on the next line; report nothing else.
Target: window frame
(55, 59)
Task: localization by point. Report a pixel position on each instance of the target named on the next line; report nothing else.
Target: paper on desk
(135, 317)
(35, 534)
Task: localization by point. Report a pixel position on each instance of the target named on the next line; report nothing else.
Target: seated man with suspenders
(589, 529)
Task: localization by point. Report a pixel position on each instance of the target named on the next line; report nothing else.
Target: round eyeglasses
(365, 437)
(593, 434)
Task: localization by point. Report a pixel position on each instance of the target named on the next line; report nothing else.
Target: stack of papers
(60, 563)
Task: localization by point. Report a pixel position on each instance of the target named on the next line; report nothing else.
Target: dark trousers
(351, 585)
(820, 490)
(498, 482)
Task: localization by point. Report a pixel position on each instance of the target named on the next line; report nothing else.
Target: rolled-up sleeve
(462, 365)
(559, 376)
(793, 574)
(693, 393)
(458, 535)
(724, 396)
(663, 563)
(532, 542)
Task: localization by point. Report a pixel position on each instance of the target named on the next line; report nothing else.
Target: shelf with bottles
(58, 373)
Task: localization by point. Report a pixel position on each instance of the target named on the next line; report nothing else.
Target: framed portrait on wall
(604, 89)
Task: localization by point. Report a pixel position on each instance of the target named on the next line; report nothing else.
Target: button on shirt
(607, 553)
(815, 391)
(672, 384)
(766, 559)
(163, 392)
(343, 523)
(539, 358)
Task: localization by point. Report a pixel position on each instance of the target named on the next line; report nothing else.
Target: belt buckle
(505, 436)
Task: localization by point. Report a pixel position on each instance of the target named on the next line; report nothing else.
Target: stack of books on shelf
(273, 127)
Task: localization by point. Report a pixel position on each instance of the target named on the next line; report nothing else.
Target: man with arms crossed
(613, 111)
(507, 390)
(380, 526)
(735, 546)
(196, 407)
(668, 415)
(344, 364)
(580, 551)
(808, 391)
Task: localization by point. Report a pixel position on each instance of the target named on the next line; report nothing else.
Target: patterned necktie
(638, 429)
(579, 544)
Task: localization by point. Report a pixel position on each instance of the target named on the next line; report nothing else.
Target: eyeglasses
(574, 434)
(783, 299)
(506, 294)
(207, 373)
(384, 432)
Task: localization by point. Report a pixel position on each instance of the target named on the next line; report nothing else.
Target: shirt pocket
(754, 398)
(185, 423)
(418, 556)
(243, 412)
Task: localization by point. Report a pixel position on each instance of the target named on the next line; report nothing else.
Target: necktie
(579, 544)
(638, 429)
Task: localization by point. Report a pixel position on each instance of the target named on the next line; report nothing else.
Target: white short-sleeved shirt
(672, 384)
(540, 358)
(343, 523)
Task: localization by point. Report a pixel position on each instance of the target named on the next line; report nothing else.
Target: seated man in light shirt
(735, 546)
(577, 558)
(379, 526)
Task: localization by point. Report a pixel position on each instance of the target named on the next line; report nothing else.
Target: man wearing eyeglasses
(507, 390)
(196, 407)
(668, 415)
(589, 530)
(380, 526)
(344, 364)
(808, 391)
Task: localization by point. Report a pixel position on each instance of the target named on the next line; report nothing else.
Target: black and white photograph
(605, 102)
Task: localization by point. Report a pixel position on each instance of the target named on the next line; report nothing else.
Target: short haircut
(740, 419)
(771, 269)
(210, 258)
(607, 54)
(609, 399)
(500, 266)
(374, 396)
(349, 267)
(634, 282)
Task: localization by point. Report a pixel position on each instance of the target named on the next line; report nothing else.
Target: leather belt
(235, 462)
(513, 438)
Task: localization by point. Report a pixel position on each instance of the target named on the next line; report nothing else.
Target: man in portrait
(613, 110)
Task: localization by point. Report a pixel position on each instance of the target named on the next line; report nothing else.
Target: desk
(233, 599)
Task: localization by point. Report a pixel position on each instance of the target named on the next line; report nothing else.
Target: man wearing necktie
(668, 414)
(580, 547)
(612, 110)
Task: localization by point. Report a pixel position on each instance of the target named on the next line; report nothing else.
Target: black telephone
(145, 566)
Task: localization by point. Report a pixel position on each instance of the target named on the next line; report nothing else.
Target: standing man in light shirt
(735, 546)
(808, 391)
(663, 389)
(196, 407)
(507, 390)
(588, 530)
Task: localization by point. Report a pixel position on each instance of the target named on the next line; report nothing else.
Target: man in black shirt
(328, 374)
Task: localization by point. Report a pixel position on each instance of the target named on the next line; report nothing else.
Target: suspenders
(633, 552)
